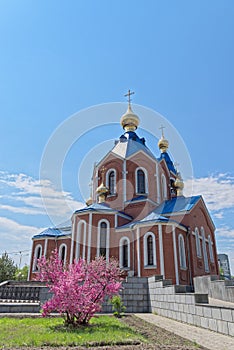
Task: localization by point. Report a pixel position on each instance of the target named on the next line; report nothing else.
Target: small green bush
(117, 306)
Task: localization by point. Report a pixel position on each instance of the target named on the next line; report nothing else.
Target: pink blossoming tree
(79, 289)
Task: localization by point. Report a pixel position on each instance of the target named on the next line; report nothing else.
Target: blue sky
(59, 58)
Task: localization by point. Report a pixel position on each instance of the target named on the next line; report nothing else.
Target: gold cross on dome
(129, 95)
(161, 128)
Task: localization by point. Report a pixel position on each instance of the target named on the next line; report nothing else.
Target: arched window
(149, 249)
(37, 255)
(63, 253)
(103, 239)
(204, 250)
(198, 243)
(182, 252)
(141, 181)
(124, 252)
(111, 181)
(211, 249)
(80, 240)
(164, 187)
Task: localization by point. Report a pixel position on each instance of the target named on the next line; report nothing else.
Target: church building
(137, 213)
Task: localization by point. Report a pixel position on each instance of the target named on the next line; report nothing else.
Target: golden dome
(102, 192)
(179, 185)
(163, 144)
(129, 120)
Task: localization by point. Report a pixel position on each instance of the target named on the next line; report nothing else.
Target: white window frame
(107, 238)
(164, 187)
(121, 252)
(38, 246)
(107, 181)
(60, 253)
(210, 243)
(182, 253)
(146, 181)
(205, 257)
(81, 223)
(198, 243)
(146, 250)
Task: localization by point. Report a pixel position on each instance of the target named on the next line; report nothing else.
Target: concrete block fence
(217, 289)
(192, 308)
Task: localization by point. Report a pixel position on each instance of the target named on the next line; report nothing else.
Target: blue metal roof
(54, 232)
(101, 207)
(177, 205)
(168, 161)
(129, 144)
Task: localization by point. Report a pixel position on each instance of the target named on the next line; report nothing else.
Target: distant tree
(79, 289)
(21, 274)
(7, 268)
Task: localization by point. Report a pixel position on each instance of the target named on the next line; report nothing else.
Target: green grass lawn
(50, 331)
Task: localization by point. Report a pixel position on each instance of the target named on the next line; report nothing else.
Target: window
(141, 181)
(124, 252)
(63, 253)
(37, 255)
(81, 240)
(204, 250)
(182, 252)
(164, 187)
(198, 243)
(103, 239)
(211, 249)
(149, 249)
(111, 181)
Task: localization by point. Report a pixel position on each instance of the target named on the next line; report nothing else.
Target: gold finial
(102, 190)
(163, 143)
(179, 185)
(90, 199)
(129, 93)
(129, 120)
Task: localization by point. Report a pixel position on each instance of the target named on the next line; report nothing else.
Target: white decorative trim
(204, 250)
(89, 238)
(138, 252)
(124, 182)
(45, 247)
(164, 187)
(182, 255)
(210, 244)
(107, 180)
(162, 270)
(72, 239)
(121, 252)
(107, 238)
(158, 189)
(35, 258)
(175, 255)
(81, 223)
(146, 250)
(146, 180)
(198, 243)
(60, 252)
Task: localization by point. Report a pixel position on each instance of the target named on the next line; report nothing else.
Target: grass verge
(102, 330)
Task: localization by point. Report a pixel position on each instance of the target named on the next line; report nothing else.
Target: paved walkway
(204, 337)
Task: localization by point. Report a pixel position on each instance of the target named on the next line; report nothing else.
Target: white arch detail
(122, 239)
(146, 249)
(107, 238)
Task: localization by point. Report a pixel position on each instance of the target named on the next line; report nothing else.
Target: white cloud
(38, 197)
(225, 231)
(217, 191)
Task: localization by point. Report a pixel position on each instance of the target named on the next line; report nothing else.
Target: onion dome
(129, 120)
(163, 144)
(102, 192)
(179, 185)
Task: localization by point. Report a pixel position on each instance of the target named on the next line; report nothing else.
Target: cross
(161, 128)
(102, 172)
(129, 94)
